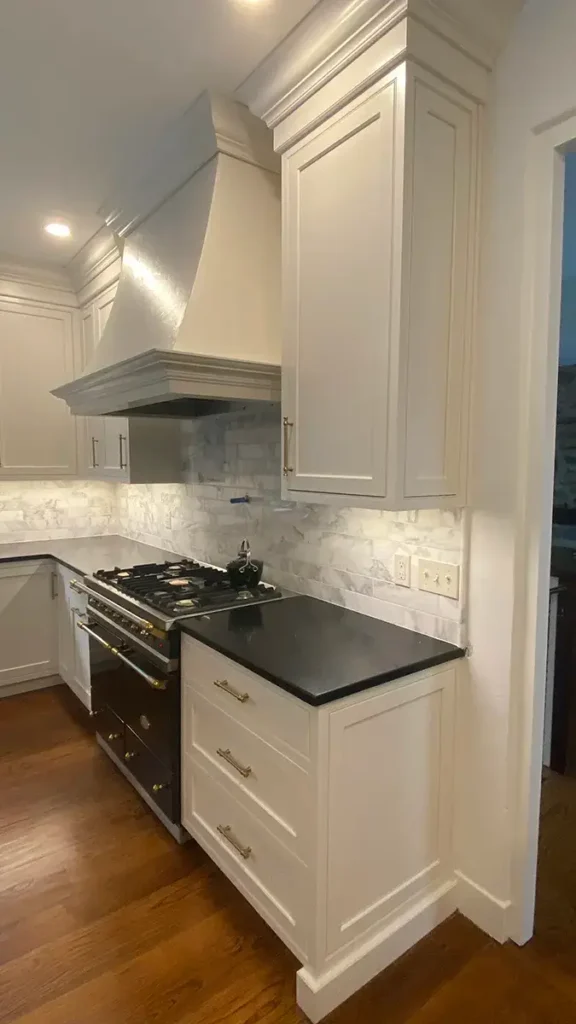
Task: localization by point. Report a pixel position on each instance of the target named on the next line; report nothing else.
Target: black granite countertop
(317, 651)
(87, 554)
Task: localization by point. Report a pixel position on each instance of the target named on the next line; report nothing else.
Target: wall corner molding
(95, 266)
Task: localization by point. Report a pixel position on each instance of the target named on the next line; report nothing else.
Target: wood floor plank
(104, 919)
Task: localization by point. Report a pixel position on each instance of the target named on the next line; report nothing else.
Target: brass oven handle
(223, 684)
(226, 831)
(287, 424)
(80, 588)
(156, 684)
(227, 755)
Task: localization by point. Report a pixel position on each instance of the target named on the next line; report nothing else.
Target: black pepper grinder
(245, 571)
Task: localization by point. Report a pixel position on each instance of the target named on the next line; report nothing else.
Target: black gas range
(132, 622)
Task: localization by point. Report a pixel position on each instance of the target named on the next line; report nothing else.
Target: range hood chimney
(196, 318)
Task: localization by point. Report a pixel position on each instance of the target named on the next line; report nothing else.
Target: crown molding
(25, 282)
(159, 376)
(337, 32)
(212, 125)
(88, 269)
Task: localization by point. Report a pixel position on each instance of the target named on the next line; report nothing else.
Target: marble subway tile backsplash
(48, 510)
(342, 555)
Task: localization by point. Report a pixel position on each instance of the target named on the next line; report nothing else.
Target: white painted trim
(541, 328)
(212, 125)
(318, 995)
(95, 266)
(335, 34)
(84, 696)
(14, 288)
(29, 685)
(160, 375)
(28, 273)
(485, 910)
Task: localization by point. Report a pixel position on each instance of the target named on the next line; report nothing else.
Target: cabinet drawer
(152, 775)
(256, 703)
(111, 729)
(272, 878)
(271, 785)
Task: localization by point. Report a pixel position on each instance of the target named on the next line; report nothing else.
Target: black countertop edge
(338, 692)
(48, 556)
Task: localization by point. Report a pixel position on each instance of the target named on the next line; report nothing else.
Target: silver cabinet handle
(81, 589)
(121, 440)
(227, 755)
(226, 831)
(53, 585)
(156, 684)
(223, 684)
(94, 462)
(288, 424)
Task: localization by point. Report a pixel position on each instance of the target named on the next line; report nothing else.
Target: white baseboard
(319, 995)
(27, 685)
(482, 908)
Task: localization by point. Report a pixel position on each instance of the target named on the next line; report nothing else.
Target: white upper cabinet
(38, 437)
(379, 220)
(141, 450)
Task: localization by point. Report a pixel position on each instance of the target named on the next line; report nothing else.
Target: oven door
(132, 696)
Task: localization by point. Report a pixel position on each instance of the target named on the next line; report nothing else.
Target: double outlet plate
(434, 577)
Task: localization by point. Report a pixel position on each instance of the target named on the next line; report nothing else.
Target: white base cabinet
(73, 642)
(335, 822)
(28, 645)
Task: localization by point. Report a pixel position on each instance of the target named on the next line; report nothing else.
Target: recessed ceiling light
(58, 228)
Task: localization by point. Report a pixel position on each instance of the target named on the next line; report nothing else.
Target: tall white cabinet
(380, 193)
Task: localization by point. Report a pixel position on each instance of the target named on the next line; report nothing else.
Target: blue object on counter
(240, 501)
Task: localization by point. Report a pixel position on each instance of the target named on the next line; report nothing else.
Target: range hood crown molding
(140, 383)
(213, 124)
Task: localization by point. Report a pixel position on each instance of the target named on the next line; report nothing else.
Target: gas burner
(177, 589)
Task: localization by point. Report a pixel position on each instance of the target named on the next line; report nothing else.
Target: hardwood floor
(105, 920)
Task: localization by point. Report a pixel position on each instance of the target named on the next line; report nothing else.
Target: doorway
(546, 735)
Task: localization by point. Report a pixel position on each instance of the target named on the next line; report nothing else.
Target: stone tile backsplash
(48, 510)
(342, 555)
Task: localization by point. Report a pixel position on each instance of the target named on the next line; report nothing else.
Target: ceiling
(87, 85)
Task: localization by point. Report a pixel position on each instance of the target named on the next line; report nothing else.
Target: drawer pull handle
(223, 684)
(158, 786)
(226, 831)
(113, 736)
(227, 755)
(129, 755)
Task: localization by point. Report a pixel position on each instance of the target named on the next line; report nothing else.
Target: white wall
(535, 81)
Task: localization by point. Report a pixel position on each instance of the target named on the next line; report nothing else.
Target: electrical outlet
(402, 570)
(439, 578)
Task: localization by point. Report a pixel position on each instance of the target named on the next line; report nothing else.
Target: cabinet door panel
(27, 624)
(339, 234)
(37, 432)
(112, 451)
(440, 293)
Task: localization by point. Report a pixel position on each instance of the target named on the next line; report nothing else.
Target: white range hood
(196, 318)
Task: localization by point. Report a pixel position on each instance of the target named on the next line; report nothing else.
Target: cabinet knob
(129, 755)
(113, 736)
(159, 786)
